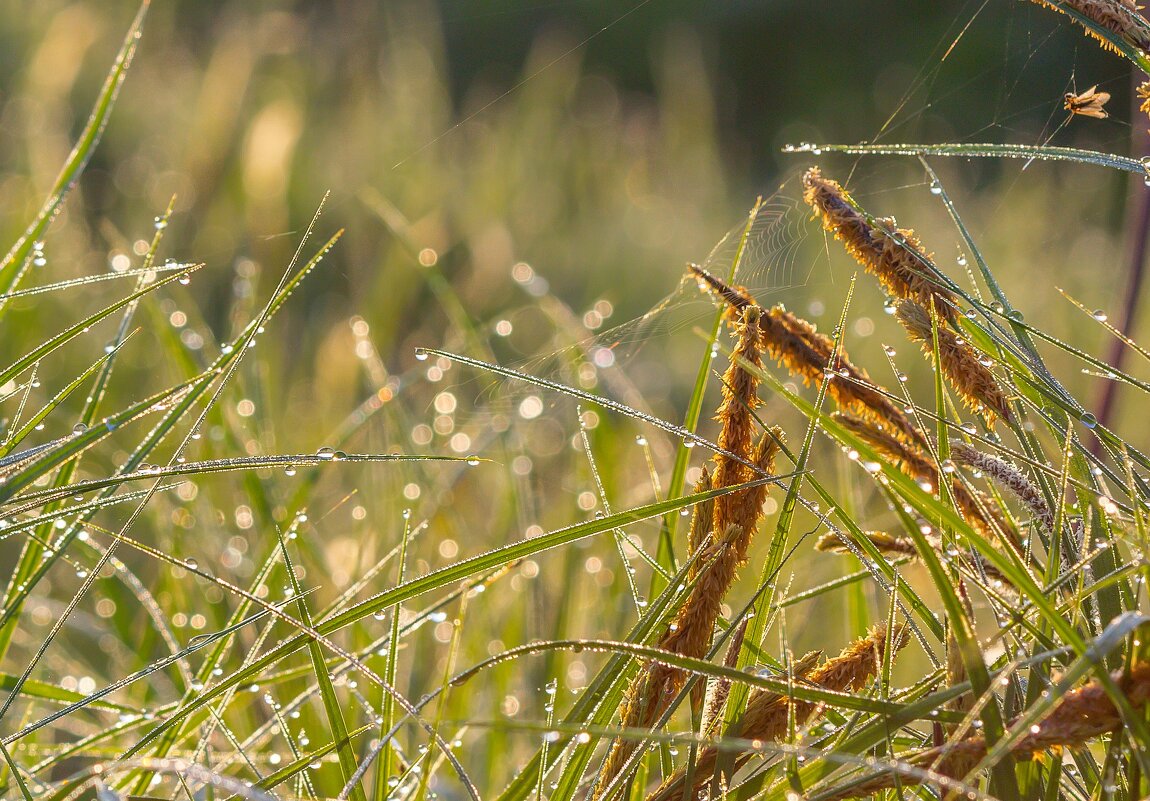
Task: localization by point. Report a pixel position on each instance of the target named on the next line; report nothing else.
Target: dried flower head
(767, 714)
(1144, 95)
(892, 255)
(961, 363)
(1120, 17)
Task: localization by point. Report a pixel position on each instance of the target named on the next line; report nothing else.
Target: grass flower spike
(767, 715)
(723, 541)
(892, 255)
(961, 364)
(1120, 17)
(797, 345)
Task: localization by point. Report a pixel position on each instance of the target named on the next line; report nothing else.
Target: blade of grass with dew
(298, 766)
(99, 278)
(196, 387)
(391, 667)
(39, 417)
(52, 693)
(14, 264)
(70, 333)
(35, 499)
(984, 150)
(331, 702)
(14, 769)
(91, 406)
(598, 400)
(28, 570)
(14, 528)
(221, 365)
(96, 699)
(428, 582)
(90, 578)
(339, 667)
(307, 634)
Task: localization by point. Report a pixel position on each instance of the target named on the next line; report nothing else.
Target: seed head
(1120, 17)
(767, 713)
(892, 255)
(960, 362)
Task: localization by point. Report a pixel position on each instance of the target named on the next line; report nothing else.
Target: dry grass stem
(892, 255)
(767, 714)
(1120, 17)
(961, 364)
(1081, 716)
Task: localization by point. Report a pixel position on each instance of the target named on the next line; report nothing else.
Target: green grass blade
(14, 264)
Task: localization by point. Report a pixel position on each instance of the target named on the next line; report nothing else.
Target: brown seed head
(885, 543)
(1081, 716)
(973, 381)
(767, 713)
(917, 464)
(1120, 17)
(892, 255)
(798, 346)
(723, 530)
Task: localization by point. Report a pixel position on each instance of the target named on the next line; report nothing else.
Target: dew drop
(1099, 315)
(289, 470)
(935, 188)
(472, 460)
(325, 453)
(79, 429)
(421, 354)
(1089, 420)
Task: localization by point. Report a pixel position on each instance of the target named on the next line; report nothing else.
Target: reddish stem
(1137, 226)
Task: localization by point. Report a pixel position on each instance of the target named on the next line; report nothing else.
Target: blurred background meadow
(513, 178)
